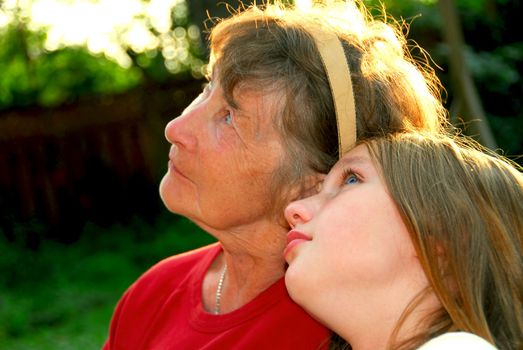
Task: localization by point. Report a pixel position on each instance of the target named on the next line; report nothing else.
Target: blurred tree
(467, 103)
(177, 53)
(33, 73)
(491, 48)
(205, 12)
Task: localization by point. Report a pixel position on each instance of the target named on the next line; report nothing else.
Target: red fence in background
(94, 156)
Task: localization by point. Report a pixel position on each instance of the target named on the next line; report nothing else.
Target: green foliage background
(493, 53)
(63, 296)
(29, 72)
(33, 75)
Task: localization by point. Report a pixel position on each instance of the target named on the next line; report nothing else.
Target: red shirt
(163, 310)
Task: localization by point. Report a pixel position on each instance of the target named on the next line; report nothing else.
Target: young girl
(414, 240)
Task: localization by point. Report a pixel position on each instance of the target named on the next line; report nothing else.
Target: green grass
(63, 296)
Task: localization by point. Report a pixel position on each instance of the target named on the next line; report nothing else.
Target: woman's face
(348, 244)
(221, 159)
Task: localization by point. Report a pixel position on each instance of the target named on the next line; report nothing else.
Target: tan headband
(338, 74)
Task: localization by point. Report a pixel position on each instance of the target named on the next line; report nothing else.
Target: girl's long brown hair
(463, 207)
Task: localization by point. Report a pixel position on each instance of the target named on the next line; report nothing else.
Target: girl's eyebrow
(360, 162)
(354, 160)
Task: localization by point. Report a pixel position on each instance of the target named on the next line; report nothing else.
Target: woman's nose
(181, 131)
(299, 212)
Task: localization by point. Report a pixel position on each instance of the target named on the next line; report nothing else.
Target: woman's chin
(163, 189)
(169, 197)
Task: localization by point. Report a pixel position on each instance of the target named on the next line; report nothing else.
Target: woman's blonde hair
(270, 49)
(463, 207)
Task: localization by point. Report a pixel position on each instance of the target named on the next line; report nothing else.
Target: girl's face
(349, 246)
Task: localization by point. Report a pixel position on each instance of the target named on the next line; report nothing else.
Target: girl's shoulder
(457, 340)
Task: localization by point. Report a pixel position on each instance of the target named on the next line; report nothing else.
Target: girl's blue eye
(351, 179)
(228, 119)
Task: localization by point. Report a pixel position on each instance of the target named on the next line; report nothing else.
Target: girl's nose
(299, 212)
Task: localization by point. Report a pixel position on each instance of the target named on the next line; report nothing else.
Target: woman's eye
(351, 179)
(228, 119)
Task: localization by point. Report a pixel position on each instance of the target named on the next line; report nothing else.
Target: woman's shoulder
(457, 340)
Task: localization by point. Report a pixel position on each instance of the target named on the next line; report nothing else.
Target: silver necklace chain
(219, 288)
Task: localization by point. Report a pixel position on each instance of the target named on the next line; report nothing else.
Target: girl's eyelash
(346, 173)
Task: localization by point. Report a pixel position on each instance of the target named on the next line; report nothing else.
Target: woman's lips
(170, 163)
(174, 169)
(294, 238)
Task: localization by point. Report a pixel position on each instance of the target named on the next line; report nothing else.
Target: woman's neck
(254, 258)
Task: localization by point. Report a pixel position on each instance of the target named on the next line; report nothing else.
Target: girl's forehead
(358, 155)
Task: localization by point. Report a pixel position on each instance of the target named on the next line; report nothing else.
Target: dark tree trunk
(469, 104)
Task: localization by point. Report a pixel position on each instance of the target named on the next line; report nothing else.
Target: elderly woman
(413, 240)
(261, 134)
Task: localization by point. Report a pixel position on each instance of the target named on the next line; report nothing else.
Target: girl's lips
(294, 238)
